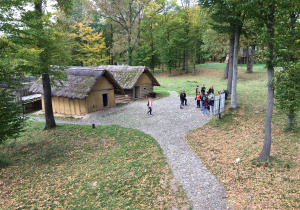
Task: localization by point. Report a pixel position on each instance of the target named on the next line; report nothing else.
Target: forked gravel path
(169, 126)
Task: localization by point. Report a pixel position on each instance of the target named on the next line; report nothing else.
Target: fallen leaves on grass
(105, 168)
(251, 184)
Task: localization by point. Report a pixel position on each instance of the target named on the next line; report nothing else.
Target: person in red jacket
(198, 97)
(149, 106)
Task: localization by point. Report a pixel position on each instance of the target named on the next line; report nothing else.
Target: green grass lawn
(75, 166)
(240, 133)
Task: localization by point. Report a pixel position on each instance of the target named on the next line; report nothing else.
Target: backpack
(206, 104)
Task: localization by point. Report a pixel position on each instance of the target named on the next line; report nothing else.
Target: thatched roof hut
(86, 89)
(79, 83)
(127, 76)
(136, 81)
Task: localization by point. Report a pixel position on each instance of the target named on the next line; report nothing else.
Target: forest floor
(250, 184)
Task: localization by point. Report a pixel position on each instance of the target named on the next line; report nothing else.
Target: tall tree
(126, 14)
(11, 123)
(269, 10)
(287, 80)
(38, 34)
(90, 45)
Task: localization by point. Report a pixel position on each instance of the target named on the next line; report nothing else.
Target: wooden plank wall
(122, 99)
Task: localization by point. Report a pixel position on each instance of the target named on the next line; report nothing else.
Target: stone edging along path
(169, 126)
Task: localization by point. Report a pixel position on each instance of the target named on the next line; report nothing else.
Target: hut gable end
(144, 78)
(128, 76)
(102, 83)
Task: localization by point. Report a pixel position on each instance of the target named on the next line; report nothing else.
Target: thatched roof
(127, 76)
(79, 83)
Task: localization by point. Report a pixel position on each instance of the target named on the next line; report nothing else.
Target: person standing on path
(205, 105)
(203, 90)
(212, 103)
(211, 89)
(149, 106)
(202, 100)
(198, 97)
(181, 100)
(184, 98)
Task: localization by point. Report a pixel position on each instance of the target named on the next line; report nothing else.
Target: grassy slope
(239, 133)
(76, 166)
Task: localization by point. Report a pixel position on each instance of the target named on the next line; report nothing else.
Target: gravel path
(169, 126)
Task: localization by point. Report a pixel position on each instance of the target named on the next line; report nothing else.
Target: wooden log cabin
(86, 90)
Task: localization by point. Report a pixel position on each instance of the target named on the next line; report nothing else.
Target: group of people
(205, 100)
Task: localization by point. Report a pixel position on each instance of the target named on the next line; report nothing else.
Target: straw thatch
(79, 83)
(127, 76)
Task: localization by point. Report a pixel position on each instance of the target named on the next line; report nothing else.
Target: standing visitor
(201, 100)
(203, 90)
(184, 98)
(181, 100)
(205, 105)
(197, 90)
(211, 89)
(198, 97)
(149, 106)
(212, 103)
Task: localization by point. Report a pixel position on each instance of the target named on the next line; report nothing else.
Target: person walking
(149, 106)
(198, 97)
(181, 100)
(205, 105)
(197, 90)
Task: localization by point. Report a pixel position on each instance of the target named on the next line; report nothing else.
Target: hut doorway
(105, 100)
(137, 91)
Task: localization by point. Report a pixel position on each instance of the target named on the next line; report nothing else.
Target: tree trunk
(250, 60)
(111, 45)
(183, 61)
(50, 122)
(230, 61)
(226, 70)
(291, 120)
(265, 153)
(227, 66)
(247, 57)
(195, 54)
(235, 66)
(186, 60)
(152, 50)
(129, 35)
(252, 57)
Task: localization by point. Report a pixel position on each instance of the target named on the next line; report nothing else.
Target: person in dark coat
(203, 90)
(197, 90)
(184, 99)
(211, 90)
(181, 100)
(201, 100)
